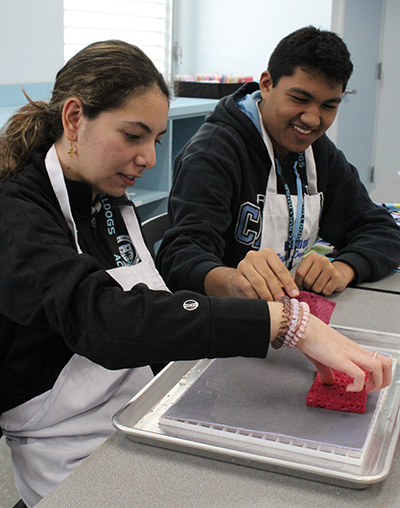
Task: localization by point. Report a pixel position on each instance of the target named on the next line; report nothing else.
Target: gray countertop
(390, 284)
(367, 309)
(123, 473)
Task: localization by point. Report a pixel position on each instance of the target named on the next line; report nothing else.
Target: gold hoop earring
(71, 152)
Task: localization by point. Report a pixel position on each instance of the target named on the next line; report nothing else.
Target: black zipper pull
(94, 225)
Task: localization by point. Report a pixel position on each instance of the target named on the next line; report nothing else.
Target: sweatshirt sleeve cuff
(198, 274)
(243, 326)
(360, 265)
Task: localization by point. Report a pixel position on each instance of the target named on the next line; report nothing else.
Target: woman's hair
(312, 50)
(104, 76)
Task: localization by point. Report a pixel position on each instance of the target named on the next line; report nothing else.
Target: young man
(260, 181)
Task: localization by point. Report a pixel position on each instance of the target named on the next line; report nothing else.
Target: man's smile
(302, 130)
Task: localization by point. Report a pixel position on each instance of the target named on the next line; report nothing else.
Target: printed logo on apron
(127, 250)
(119, 240)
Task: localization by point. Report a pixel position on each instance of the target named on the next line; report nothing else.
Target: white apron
(275, 218)
(51, 434)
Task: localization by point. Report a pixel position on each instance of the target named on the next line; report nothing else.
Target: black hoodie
(55, 302)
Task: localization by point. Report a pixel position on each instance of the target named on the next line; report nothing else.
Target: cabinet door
(356, 118)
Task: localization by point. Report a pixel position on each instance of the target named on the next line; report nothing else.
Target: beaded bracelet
(294, 321)
(286, 318)
(300, 332)
(291, 331)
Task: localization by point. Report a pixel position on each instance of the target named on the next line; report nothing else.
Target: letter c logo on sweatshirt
(190, 305)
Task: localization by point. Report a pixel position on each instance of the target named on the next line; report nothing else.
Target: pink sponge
(335, 396)
(319, 305)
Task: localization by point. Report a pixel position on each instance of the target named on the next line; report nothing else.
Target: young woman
(83, 311)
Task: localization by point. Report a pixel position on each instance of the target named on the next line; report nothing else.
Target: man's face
(298, 110)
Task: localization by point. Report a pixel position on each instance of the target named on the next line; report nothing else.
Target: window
(145, 23)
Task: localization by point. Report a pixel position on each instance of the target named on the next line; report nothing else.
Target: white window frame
(145, 23)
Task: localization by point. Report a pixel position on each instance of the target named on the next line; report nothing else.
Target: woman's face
(115, 148)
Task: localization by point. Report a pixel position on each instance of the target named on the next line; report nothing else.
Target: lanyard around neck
(295, 228)
(117, 234)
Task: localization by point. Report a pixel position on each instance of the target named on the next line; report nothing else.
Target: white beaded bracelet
(295, 318)
(300, 331)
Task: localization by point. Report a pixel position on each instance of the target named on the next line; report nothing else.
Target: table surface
(123, 473)
(389, 284)
(367, 309)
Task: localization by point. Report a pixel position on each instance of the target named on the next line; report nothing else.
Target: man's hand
(317, 273)
(261, 274)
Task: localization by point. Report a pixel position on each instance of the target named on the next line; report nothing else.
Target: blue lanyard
(295, 229)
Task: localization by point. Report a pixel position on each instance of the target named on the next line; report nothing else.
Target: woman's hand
(328, 349)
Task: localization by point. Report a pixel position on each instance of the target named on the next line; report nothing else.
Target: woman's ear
(72, 114)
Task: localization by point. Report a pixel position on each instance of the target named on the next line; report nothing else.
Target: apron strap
(56, 176)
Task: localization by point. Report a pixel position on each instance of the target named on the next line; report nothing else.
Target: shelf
(184, 107)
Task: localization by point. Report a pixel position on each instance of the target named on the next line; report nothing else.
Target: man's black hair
(312, 50)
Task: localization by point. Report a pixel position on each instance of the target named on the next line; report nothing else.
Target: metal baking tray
(282, 435)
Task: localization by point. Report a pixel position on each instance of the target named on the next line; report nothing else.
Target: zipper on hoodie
(94, 224)
(95, 210)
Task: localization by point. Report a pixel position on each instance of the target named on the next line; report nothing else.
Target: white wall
(387, 161)
(236, 37)
(31, 40)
